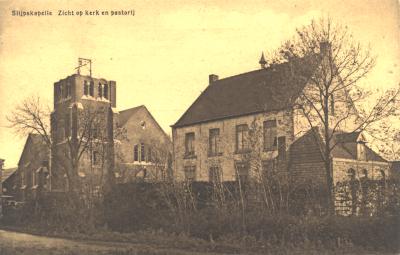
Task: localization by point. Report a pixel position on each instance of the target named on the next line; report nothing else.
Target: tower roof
(262, 61)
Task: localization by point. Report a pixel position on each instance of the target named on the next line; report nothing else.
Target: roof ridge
(269, 68)
(241, 74)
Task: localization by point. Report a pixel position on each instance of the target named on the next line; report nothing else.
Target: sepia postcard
(199, 127)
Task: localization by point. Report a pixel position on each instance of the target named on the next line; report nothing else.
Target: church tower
(82, 132)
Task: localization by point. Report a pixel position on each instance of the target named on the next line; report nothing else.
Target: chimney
(212, 78)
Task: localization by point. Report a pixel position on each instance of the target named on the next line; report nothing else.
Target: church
(92, 143)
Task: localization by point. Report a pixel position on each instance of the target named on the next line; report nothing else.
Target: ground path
(20, 243)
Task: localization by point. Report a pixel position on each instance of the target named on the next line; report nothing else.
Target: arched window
(142, 153)
(85, 88)
(100, 90)
(136, 152)
(91, 89)
(105, 91)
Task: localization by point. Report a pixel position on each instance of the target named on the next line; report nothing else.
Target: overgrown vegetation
(188, 217)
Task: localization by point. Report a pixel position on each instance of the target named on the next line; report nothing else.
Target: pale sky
(162, 56)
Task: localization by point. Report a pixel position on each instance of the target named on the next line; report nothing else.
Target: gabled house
(256, 113)
(143, 150)
(352, 159)
(212, 137)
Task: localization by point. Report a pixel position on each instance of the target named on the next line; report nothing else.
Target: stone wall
(374, 169)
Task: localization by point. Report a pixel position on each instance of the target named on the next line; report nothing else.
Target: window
(95, 133)
(215, 175)
(91, 88)
(242, 133)
(213, 142)
(282, 148)
(270, 133)
(190, 173)
(365, 173)
(268, 166)
(142, 153)
(62, 91)
(100, 90)
(149, 156)
(105, 91)
(95, 157)
(34, 179)
(351, 173)
(136, 152)
(68, 94)
(189, 145)
(67, 125)
(23, 183)
(242, 172)
(85, 88)
(61, 132)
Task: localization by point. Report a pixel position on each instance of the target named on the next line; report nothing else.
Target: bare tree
(84, 138)
(386, 136)
(325, 57)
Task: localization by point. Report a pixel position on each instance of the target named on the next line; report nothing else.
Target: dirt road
(23, 244)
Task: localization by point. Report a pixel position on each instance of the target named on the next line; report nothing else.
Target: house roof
(347, 137)
(35, 140)
(268, 89)
(125, 115)
(6, 173)
(396, 165)
(346, 146)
